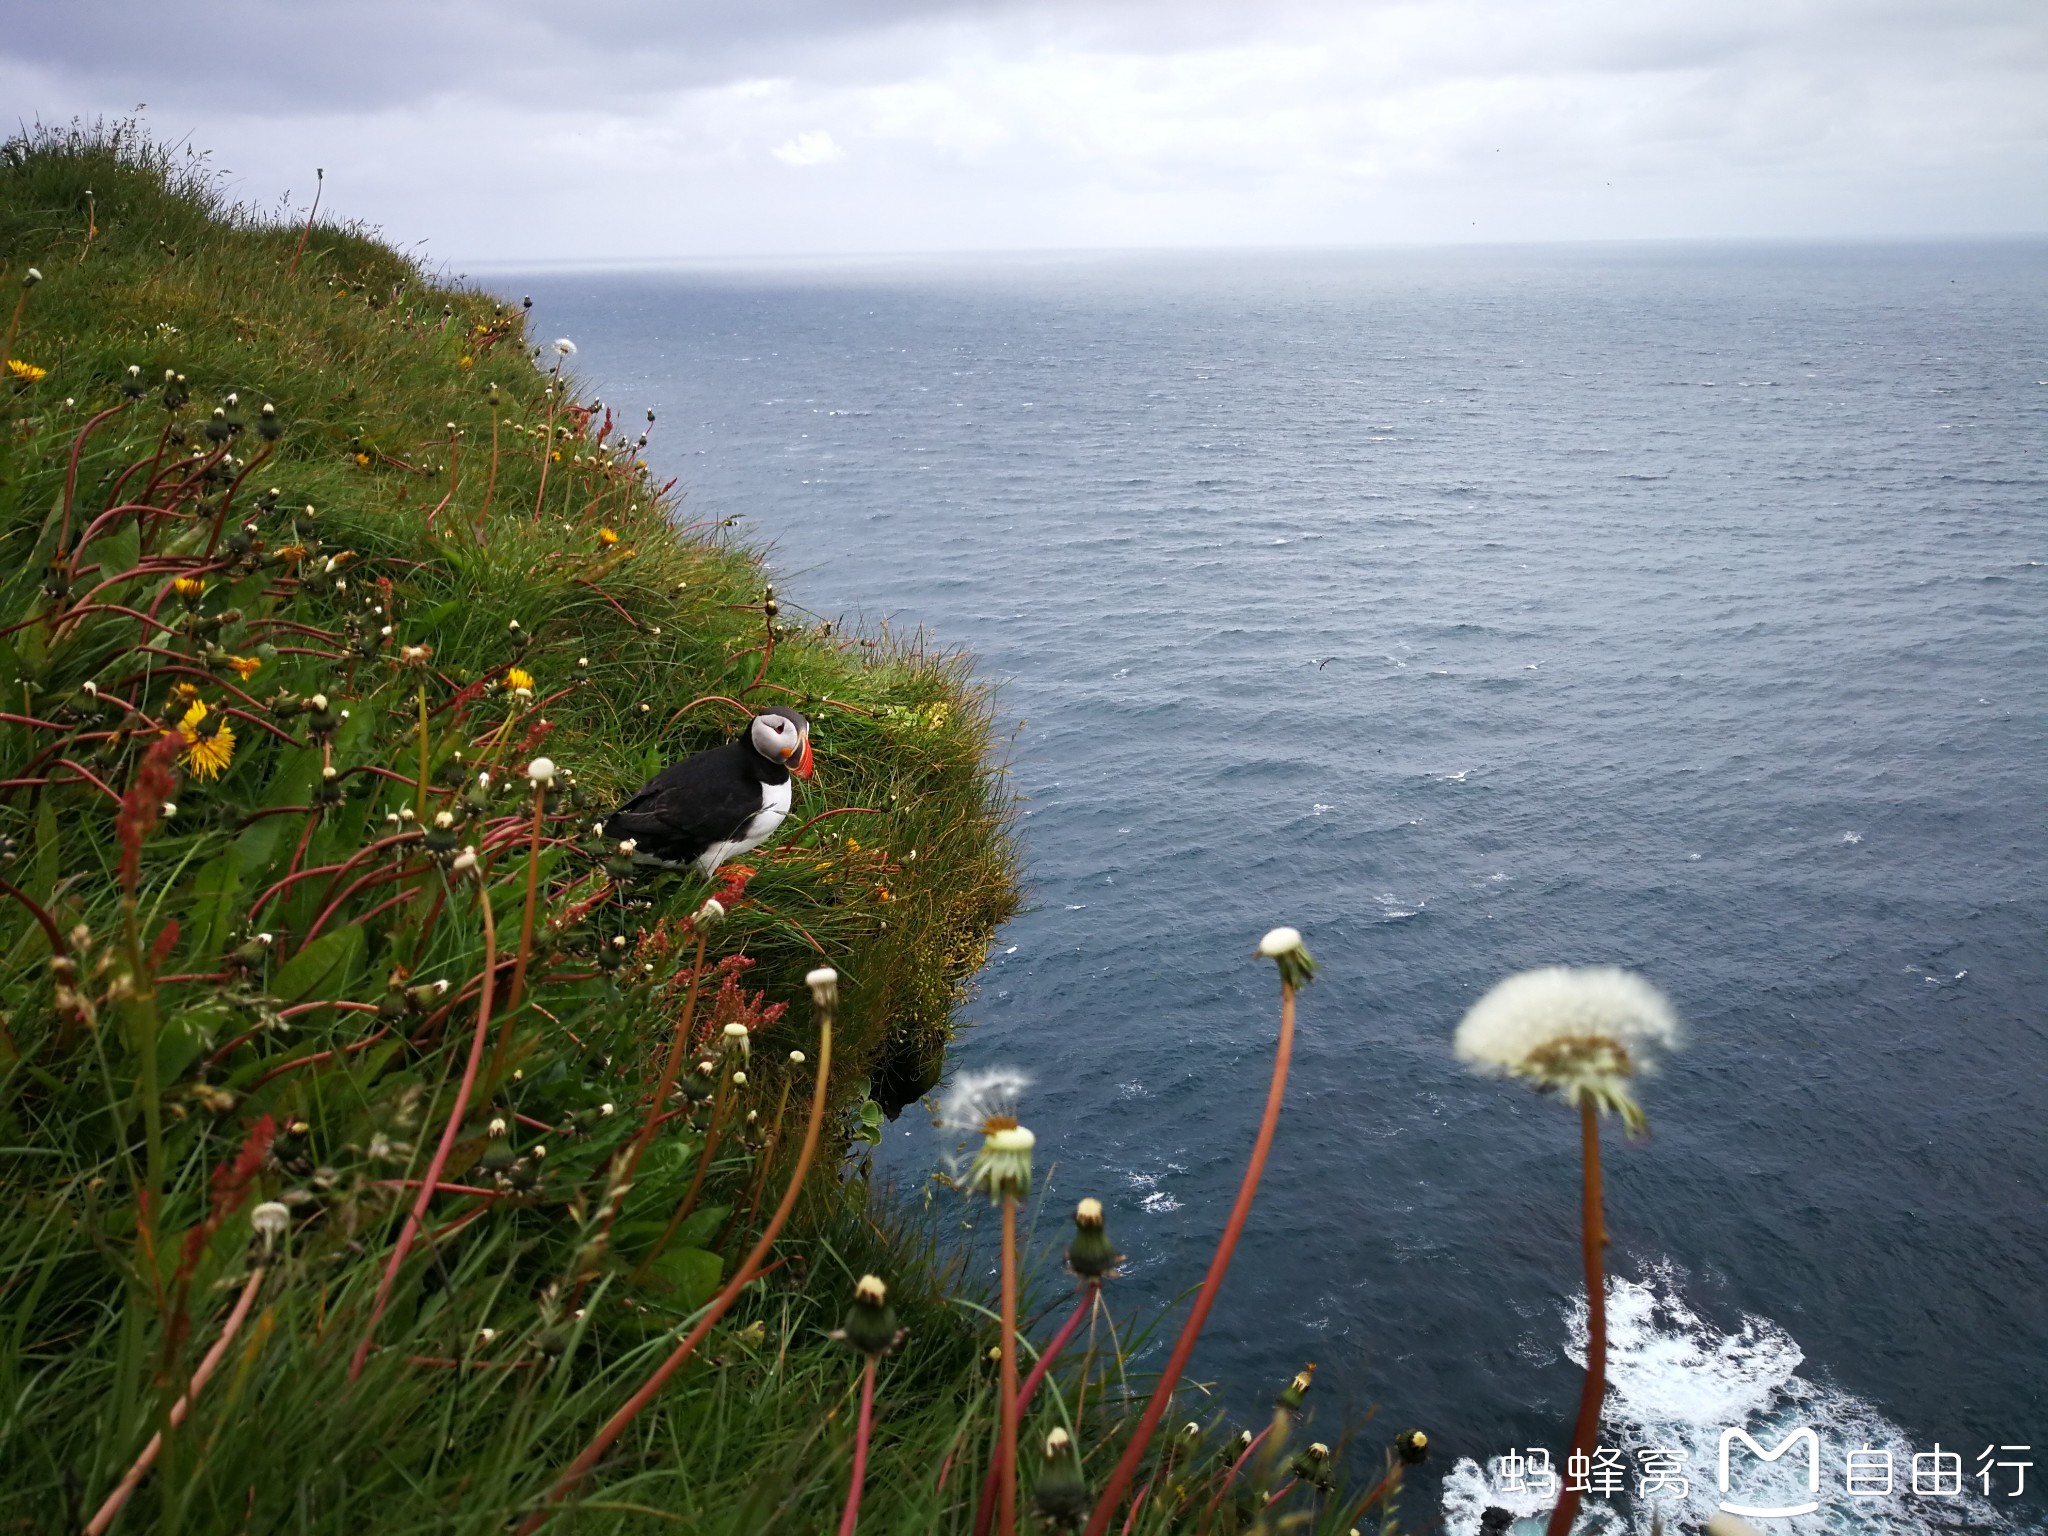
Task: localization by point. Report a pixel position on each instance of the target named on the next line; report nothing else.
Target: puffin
(718, 804)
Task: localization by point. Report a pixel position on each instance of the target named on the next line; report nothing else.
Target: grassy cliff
(371, 1128)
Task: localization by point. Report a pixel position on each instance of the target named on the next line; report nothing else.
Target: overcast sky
(523, 130)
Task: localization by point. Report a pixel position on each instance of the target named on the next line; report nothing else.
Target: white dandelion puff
(565, 346)
(980, 1102)
(1580, 1032)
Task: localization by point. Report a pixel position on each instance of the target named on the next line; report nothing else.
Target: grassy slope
(366, 360)
(129, 1087)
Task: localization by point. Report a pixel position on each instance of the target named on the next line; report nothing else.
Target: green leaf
(685, 1278)
(321, 968)
(211, 914)
(118, 551)
(700, 1226)
(184, 1035)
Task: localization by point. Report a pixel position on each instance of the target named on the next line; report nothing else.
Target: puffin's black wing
(692, 804)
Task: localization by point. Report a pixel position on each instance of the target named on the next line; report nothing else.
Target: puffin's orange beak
(802, 769)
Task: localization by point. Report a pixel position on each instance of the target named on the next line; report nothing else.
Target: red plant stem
(1006, 1470)
(631, 622)
(337, 870)
(1184, 1346)
(449, 1135)
(669, 1071)
(135, 1474)
(1138, 1503)
(1235, 1467)
(1593, 1225)
(319, 186)
(373, 877)
(851, 1518)
(41, 915)
(742, 1277)
(71, 474)
(297, 1062)
(90, 777)
(1089, 1291)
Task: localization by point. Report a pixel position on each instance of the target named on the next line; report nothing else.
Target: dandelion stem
(1006, 1472)
(132, 1479)
(1089, 1291)
(319, 186)
(848, 1520)
(1586, 1432)
(420, 809)
(540, 795)
(742, 1277)
(1184, 1346)
(547, 447)
(491, 483)
(448, 1136)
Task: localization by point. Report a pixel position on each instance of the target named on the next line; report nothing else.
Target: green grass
(264, 989)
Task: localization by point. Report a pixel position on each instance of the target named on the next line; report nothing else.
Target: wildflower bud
(796, 1058)
(1060, 1492)
(1297, 1389)
(711, 913)
(485, 1335)
(170, 809)
(444, 820)
(1090, 1255)
(426, 994)
(824, 985)
(497, 1126)
(539, 1152)
(737, 1042)
(1002, 1168)
(1312, 1465)
(870, 1325)
(30, 278)
(270, 1220)
(607, 1110)
(541, 771)
(1284, 948)
(628, 847)
(465, 861)
(1412, 1446)
(317, 704)
(739, 1079)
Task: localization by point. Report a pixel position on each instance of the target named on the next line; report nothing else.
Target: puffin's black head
(783, 737)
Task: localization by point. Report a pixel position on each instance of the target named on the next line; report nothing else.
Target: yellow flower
(207, 752)
(519, 677)
(191, 588)
(883, 892)
(184, 693)
(362, 458)
(467, 362)
(607, 536)
(28, 373)
(245, 667)
(556, 455)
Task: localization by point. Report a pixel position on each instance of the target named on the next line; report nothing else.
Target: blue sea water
(1680, 607)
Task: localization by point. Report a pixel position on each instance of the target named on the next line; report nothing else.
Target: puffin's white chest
(774, 806)
(758, 828)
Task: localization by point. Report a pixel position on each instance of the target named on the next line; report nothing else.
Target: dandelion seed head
(979, 1103)
(565, 346)
(1578, 1031)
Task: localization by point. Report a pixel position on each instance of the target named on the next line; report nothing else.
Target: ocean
(1681, 607)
